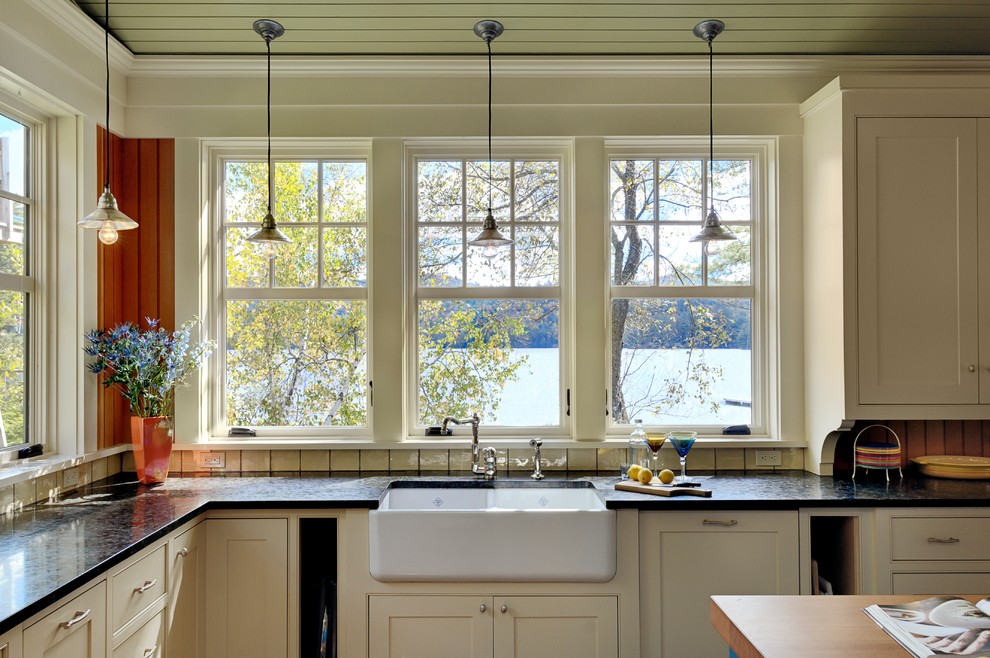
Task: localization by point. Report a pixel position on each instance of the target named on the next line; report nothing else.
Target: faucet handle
(535, 443)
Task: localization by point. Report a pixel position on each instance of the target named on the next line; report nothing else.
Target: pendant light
(712, 229)
(490, 238)
(107, 219)
(269, 234)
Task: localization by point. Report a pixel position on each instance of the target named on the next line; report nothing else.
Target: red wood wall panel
(136, 275)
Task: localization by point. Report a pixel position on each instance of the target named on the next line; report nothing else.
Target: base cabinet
(10, 644)
(246, 588)
(686, 557)
(185, 616)
(425, 626)
(76, 629)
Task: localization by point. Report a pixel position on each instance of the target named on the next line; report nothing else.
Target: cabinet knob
(504, 608)
(183, 552)
(76, 618)
(972, 368)
(484, 607)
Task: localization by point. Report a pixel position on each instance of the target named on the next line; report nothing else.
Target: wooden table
(806, 626)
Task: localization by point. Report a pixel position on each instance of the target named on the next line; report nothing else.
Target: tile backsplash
(58, 484)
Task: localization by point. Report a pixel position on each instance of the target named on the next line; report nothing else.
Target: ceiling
(532, 27)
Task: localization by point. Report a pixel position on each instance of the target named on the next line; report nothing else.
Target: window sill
(27, 469)
(459, 441)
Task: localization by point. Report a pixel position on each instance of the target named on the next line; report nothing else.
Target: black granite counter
(51, 549)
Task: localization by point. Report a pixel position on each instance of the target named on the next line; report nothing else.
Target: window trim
(219, 153)
(39, 306)
(765, 375)
(561, 150)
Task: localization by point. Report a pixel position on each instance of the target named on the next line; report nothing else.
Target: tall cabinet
(897, 234)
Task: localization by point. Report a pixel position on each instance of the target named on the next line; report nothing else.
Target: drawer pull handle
(76, 618)
(148, 584)
(727, 524)
(484, 607)
(504, 608)
(183, 552)
(939, 540)
(149, 653)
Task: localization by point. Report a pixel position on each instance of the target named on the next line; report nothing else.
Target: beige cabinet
(76, 629)
(10, 644)
(426, 626)
(686, 557)
(927, 551)
(918, 261)
(185, 615)
(145, 641)
(246, 588)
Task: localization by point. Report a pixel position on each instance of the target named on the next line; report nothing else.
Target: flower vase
(152, 439)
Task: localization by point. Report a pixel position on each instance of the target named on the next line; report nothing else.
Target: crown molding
(507, 66)
(67, 15)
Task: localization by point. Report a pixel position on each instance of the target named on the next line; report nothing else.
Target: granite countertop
(50, 549)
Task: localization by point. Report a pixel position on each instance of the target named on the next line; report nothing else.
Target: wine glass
(682, 442)
(653, 442)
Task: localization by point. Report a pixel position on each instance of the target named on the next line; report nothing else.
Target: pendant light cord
(489, 43)
(106, 135)
(271, 177)
(711, 124)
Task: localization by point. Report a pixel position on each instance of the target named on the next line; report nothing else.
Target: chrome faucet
(474, 420)
(535, 444)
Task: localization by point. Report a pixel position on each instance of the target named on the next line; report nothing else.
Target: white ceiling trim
(67, 15)
(172, 66)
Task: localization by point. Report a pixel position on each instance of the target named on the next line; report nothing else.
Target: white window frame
(764, 312)
(32, 283)
(282, 150)
(561, 150)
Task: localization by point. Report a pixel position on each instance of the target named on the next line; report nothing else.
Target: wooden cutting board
(662, 490)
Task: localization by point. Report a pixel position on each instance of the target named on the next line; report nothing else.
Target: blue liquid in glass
(681, 445)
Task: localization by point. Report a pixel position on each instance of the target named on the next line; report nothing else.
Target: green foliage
(13, 347)
(146, 366)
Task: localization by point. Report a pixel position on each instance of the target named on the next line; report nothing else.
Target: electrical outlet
(70, 478)
(767, 458)
(211, 459)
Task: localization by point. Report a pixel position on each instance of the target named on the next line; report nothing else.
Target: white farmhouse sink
(492, 531)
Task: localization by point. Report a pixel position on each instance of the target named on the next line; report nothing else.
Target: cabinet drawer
(77, 628)
(929, 584)
(146, 642)
(137, 587)
(939, 538)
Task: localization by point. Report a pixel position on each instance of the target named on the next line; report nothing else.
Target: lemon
(666, 476)
(633, 471)
(644, 475)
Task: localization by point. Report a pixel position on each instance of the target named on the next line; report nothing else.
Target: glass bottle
(636, 446)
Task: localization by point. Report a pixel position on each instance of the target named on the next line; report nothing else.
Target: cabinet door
(572, 626)
(917, 261)
(417, 626)
(77, 629)
(10, 644)
(246, 588)
(931, 583)
(185, 609)
(686, 557)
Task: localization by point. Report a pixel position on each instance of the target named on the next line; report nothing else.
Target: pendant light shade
(269, 234)
(490, 238)
(107, 218)
(712, 229)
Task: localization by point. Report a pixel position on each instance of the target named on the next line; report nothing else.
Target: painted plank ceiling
(581, 27)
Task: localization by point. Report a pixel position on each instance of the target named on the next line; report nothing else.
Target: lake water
(534, 399)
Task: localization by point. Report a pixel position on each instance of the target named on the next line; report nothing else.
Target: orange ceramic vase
(152, 448)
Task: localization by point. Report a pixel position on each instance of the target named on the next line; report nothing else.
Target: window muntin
(488, 329)
(296, 327)
(16, 282)
(682, 317)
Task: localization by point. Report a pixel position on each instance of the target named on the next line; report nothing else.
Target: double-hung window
(17, 306)
(295, 326)
(683, 316)
(488, 325)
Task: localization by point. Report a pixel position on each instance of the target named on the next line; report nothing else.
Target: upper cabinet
(896, 246)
